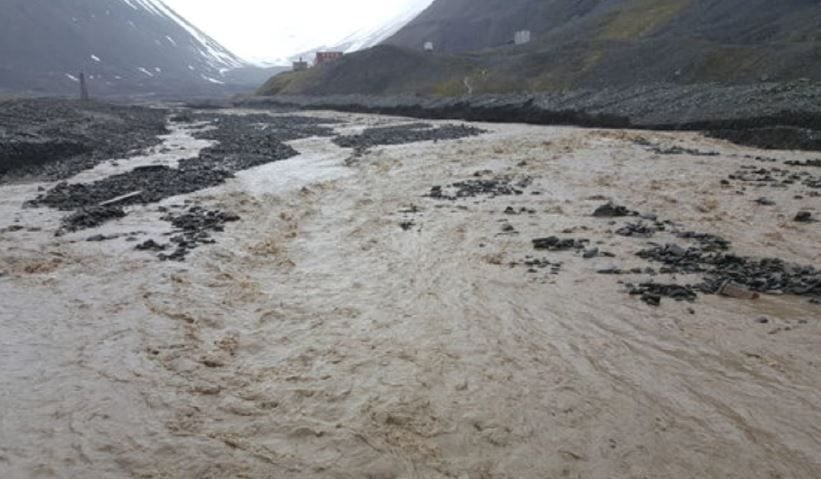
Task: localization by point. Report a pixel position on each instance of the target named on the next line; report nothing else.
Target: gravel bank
(782, 115)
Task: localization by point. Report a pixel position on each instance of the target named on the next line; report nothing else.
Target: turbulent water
(349, 326)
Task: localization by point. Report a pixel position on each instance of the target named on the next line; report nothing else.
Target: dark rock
(812, 163)
(500, 186)
(640, 229)
(803, 217)
(151, 245)
(554, 243)
(91, 217)
(402, 134)
(610, 210)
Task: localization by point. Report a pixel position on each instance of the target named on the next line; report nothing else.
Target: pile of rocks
(54, 139)
(192, 229)
(89, 217)
(402, 134)
(554, 243)
(492, 187)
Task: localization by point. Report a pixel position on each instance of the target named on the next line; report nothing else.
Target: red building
(325, 57)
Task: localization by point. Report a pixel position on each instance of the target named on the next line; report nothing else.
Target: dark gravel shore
(767, 115)
(55, 139)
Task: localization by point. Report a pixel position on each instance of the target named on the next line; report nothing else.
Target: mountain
(371, 36)
(579, 44)
(123, 46)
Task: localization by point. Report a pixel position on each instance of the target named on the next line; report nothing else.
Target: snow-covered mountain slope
(373, 35)
(123, 46)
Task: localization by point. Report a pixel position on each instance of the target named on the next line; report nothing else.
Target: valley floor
(352, 324)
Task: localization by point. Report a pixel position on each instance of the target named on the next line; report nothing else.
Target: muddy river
(351, 327)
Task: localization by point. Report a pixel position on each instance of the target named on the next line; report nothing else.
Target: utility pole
(83, 87)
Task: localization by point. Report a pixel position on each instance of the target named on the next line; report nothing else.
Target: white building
(428, 46)
(521, 37)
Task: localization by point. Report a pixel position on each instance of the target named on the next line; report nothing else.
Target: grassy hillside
(596, 44)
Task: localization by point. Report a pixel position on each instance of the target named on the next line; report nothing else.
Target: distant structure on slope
(301, 65)
(83, 87)
(325, 57)
(428, 47)
(521, 37)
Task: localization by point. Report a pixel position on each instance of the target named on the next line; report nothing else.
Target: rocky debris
(671, 150)
(151, 245)
(536, 264)
(733, 290)
(12, 229)
(54, 139)
(787, 118)
(493, 187)
(407, 225)
(763, 201)
(101, 238)
(809, 163)
(554, 243)
(762, 275)
(639, 230)
(611, 210)
(707, 242)
(595, 253)
(192, 229)
(90, 217)
(803, 217)
(244, 141)
(402, 134)
(651, 293)
(155, 183)
(182, 117)
(521, 211)
(774, 177)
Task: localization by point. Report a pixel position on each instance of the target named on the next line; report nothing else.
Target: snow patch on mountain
(214, 53)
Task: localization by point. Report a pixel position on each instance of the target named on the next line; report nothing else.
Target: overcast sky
(274, 29)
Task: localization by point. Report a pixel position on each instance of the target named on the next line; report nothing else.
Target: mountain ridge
(125, 47)
(582, 44)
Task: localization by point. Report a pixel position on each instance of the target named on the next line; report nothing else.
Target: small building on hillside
(521, 37)
(301, 65)
(428, 47)
(325, 57)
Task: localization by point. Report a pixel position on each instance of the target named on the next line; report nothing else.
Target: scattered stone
(90, 217)
(554, 243)
(500, 186)
(12, 229)
(812, 163)
(651, 293)
(733, 290)
(804, 217)
(765, 201)
(150, 245)
(407, 225)
(194, 228)
(764, 275)
(640, 229)
(402, 134)
(706, 241)
(671, 150)
(610, 210)
(100, 238)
